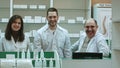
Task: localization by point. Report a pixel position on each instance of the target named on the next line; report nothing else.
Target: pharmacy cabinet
(116, 34)
(5, 10)
(4, 6)
(24, 8)
(75, 11)
(71, 10)
(32, 11)
(72, 13)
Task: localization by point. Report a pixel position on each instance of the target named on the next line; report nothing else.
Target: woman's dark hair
(8, 31)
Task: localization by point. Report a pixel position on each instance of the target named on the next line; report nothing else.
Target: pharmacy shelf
(4, 9)
(75, 12)
(74, 8)
(71, 27)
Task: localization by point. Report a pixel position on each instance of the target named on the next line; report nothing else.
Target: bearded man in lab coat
(91, 40)
(53, 37)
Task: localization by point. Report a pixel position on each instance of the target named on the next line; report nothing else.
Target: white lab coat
(11, 46)
(96, 44)
(59, 40)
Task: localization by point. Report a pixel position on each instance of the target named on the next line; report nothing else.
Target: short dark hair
(95, 21)
(52, 9)
(8, 31)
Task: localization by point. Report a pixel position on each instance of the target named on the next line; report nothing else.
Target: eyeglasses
(89, 27)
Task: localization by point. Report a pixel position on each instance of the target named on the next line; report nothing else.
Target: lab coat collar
(46, 27)
(92, 41)
(96, 33)
(13, 41)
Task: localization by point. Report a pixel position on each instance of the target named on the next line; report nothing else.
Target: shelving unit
(31, 10)
(30, 7)
(71, 15)
(73, 9)
(4, 9)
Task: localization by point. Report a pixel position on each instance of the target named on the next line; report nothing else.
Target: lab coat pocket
(61, 42)
(45, 44)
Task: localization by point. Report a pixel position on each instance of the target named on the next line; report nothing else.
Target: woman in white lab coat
(92, 40)
(14, 38)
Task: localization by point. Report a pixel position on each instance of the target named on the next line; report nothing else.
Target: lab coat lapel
(81, 42)
(15, 44)
(92, 43)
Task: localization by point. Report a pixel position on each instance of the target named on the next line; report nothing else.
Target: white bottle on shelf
(41, 64)
(57, 60)
(44, 63)
(18, 53)
(37, 64)
(35, 54)
(23, 54)
(42, 54)
(51, 63)
(28, 54)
